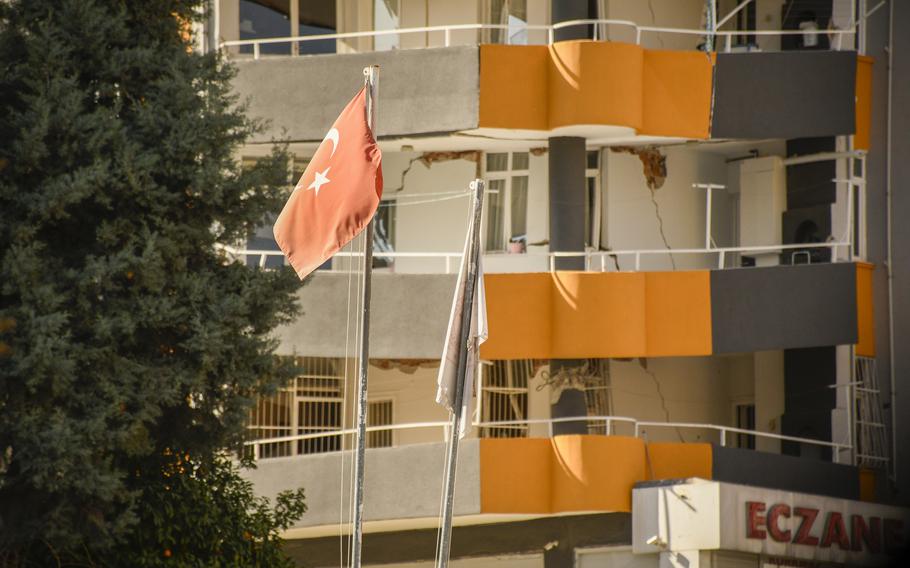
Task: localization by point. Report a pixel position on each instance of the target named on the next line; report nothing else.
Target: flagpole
(466, 335)
(371, 83)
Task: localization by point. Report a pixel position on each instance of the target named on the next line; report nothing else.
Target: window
(504, 397)
(310, 405)
(261, 19)
(386, 16)
(379, 413)
(506, 209)
(384, 232)
(592, 199)
(511, 13)
(745, 419)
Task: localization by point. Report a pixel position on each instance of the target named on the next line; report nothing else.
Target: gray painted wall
(400, 483)
(420, 91)
(900, 234)
(793, 94)
(409, 316)
(762, 309)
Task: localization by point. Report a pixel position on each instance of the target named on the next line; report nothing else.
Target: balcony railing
(639, 429)
(594, 261)
(599, 27)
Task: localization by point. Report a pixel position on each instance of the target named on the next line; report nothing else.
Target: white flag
(448, 367)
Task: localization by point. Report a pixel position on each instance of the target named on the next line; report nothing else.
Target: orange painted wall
(677, 90)
(578, 472)
(655, 92)
(865, 315)
(594, 82)
(504, 68)
(571, 315)
(672, 460)
(863, 102)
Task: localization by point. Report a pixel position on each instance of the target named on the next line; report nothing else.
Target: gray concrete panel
(408, 320)
(791, 94)
(557, 537)
(760, 309)
(787, 473)
(400, 483)
(900, 235)
(421, 91)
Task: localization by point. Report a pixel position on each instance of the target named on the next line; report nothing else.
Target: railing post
(550, 35)
(256, 50)
(550, 428)
(607, 426)
(552, 263)
(723, 437)
(721, 260)
(637, 261)
(448, 267)
(448, 36)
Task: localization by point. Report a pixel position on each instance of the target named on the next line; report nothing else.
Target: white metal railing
(638, 429)
(596, 261)
(598, 31)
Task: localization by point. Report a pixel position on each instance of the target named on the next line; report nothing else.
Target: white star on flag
(320, 180)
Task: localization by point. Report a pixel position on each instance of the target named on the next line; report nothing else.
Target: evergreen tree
(126, 337)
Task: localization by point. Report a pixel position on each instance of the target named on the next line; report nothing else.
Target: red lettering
(835, 531)
(754, 521)
(870, 535)
(894, 539)
(808, 519)
(774, 513)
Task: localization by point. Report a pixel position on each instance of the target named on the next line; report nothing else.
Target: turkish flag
(336, 196)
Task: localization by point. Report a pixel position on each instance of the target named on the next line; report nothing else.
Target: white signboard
(709, 515)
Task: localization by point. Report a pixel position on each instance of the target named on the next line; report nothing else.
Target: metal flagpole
(371, 82)
(466, 333)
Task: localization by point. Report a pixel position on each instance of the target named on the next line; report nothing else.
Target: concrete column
(567, 10)
(567, 199)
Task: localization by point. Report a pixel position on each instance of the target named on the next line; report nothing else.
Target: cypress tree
(127, 338)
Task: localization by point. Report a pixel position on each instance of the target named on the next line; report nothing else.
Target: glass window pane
(386, 16)
(590, 211)
(261, 19)
(592, 159)
(519, 206)
(317, 17)
(519, 160)
(497, 162)
(494, 213)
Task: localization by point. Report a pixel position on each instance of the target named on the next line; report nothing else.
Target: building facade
(696, 276)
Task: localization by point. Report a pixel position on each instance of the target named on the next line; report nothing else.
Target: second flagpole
(371, 83)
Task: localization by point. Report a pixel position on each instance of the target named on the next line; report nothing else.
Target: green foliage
(206, 515)
(123, 330)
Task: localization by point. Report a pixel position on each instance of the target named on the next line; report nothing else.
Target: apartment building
(696, 275)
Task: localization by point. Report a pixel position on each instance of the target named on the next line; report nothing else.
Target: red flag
(336, 196)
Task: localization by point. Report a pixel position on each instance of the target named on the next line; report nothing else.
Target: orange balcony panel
(596, 313)
(595, 88)
(571, 315)
(865, 318)
(519, 312)
(595, 473)
(677, 90)
(863, 102)
(513, 86)
(678, 313)
(515, 475)
(672, 460)
(595, 83)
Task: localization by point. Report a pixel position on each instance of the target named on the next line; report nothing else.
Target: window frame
(592, 240)
(506, 176)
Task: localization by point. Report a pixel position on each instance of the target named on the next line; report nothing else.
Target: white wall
(632, 222)
(661, 13)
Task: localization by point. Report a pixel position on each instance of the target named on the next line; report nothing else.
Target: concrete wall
(421, 91)
(632, 222)
(660, 13)
(385, 496)
(409, 316)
